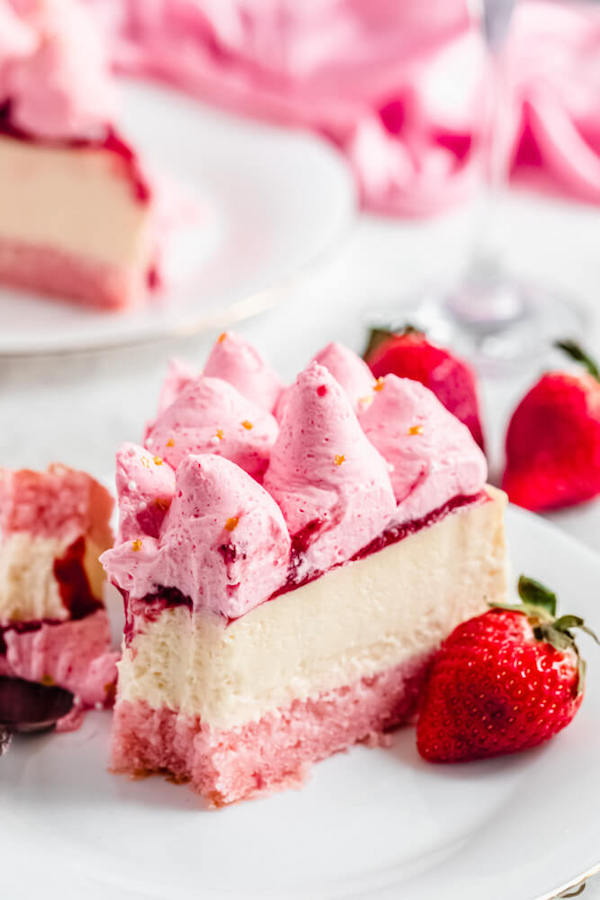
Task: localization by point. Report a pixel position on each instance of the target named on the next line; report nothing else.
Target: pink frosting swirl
(331, 483)
(236, 361)
(210, 416)
(145, 488)
(224, 542)
(58, 82)
(348, 369)
(179, 375)
(432, 454)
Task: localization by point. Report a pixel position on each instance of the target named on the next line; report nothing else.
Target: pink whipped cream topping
(224, 542)
(53, 70)
(334, 479)
(179, 375)
(74, 655)
(211, 416)
(349, 370)
(145, 488)
(59, 502)
(236, 361)
(432, 454)
(330, 482)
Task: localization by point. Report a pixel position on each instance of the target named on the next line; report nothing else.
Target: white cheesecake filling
(355, 621)
(28, 588)
(76, 201)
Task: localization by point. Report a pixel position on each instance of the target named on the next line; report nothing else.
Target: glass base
(496, 320)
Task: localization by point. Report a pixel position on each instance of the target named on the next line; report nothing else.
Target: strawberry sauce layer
(152, 605)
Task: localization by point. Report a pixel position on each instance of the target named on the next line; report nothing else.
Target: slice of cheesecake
(78, 211)
(54, 628)
(274, 620)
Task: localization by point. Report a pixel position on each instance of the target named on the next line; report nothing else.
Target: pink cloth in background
(395, 84)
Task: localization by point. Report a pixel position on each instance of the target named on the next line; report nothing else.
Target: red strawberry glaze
(151, 606)
(73, 583)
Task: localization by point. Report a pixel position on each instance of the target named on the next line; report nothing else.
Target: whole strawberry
(503, 681)
(408, 354)
(553, 439)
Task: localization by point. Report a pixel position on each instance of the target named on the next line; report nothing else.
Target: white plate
(370, 823)
(276, 200)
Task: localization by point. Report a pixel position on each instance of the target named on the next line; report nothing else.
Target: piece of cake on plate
(286, 583)
(54, 628)
(80, 218)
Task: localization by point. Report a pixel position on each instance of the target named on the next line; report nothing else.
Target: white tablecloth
(78, 409)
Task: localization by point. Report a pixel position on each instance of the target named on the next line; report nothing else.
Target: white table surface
(78, 409)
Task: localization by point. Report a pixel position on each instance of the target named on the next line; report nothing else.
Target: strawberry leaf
(534, 593)
(378, 336)
(565, 623)
(572, 349)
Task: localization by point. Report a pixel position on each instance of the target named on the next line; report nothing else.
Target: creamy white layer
(354, 621)
(76, 201)
(28, 588)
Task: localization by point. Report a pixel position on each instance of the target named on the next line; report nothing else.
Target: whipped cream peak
(223, 544)
(349, 370)
(17, 38)
(330, 482)
(58, 84)
(238, 362)
(211, 416)
(432, 454)
(145, 488)
(179, 375)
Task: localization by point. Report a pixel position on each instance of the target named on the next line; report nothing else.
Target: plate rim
(245, 306)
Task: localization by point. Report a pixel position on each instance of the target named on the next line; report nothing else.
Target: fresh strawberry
(409, 354)
(503, 681)
(553, 439)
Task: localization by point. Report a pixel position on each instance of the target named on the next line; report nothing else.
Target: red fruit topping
(503, 681)
(409, 354)
(553, 439)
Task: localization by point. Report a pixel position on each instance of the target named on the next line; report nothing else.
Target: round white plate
(369, 823)
(275, 200)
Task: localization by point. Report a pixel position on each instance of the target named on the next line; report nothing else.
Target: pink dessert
(79, 213)
(281, 612)
(54, 628)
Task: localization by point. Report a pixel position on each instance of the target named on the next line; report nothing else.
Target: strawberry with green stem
(503, 681)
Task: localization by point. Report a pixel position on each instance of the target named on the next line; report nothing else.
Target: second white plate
(276, 199)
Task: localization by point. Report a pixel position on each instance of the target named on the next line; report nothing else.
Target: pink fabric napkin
(398, 91)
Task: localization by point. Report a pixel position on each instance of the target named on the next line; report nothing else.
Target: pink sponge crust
(87, 282)
(60, 503)
(273, 753)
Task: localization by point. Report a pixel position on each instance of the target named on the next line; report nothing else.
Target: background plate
(275, 199)
(369, 823)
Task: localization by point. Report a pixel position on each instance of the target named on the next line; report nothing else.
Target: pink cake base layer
(275, 752)
(55, 273)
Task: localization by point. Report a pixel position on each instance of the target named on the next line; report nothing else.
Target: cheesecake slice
(54, 628)
(286, 584)
(78, 211)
